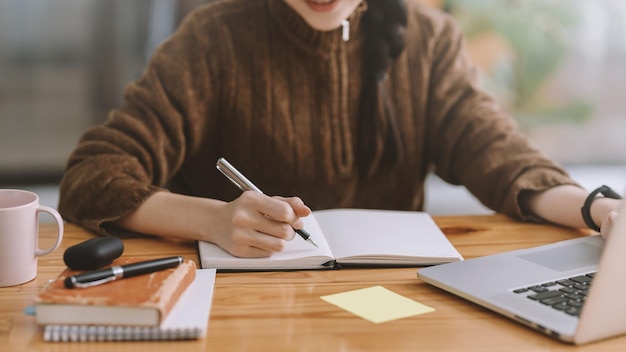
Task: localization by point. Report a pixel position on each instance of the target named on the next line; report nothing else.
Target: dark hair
(378, 138)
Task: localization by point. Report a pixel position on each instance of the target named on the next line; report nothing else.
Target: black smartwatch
(586, 209)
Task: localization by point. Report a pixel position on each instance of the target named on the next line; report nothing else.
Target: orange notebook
(143, 300)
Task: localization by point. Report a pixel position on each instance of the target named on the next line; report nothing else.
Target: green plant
(536, 32)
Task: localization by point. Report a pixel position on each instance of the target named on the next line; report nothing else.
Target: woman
(345, 103)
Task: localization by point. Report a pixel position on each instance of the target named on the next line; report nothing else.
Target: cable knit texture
(252, 82)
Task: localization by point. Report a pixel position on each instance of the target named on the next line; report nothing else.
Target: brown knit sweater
(252, 82)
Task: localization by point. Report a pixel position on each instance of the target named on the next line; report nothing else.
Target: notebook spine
(87, 333)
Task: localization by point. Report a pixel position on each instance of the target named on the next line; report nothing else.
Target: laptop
(572, 290)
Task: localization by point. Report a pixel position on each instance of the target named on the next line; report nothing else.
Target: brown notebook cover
(143, 300)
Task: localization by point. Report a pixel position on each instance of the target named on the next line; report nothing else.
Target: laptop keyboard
(567, 295)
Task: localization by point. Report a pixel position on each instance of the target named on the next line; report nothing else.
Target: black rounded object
(94, 253)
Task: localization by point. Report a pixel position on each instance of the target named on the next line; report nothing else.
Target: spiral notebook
(188, 320)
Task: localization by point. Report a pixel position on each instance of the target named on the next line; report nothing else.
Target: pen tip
(312, 242)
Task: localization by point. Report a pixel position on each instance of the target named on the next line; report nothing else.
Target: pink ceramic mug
(19, 234)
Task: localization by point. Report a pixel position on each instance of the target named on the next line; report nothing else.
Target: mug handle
(55, 214)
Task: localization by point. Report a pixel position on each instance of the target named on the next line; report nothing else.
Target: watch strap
(586, 208)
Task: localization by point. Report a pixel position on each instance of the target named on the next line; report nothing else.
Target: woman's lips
(322, 5)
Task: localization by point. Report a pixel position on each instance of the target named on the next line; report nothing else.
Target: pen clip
(94, 283)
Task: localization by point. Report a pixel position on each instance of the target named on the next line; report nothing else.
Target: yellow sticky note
(377, 304)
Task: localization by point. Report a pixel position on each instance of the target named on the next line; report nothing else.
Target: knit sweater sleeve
(119, 164)
(473, 142)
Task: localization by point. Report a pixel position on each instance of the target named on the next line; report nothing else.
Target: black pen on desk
(244, 184)
(98, 277)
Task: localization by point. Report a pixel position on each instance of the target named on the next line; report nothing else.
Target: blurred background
(556, 66)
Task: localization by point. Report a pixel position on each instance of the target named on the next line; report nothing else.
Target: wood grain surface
(282, 311)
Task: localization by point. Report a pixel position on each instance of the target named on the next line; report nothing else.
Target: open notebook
(350, 237)
(188, 319)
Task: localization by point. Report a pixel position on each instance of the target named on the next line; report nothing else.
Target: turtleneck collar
(298, 29)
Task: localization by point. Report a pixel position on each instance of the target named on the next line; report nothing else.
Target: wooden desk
(282, 311)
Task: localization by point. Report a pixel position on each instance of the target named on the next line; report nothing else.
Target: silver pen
(244, 184)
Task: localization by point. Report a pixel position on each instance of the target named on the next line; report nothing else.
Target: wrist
(600, 208)
(206, 219)
(597, 205)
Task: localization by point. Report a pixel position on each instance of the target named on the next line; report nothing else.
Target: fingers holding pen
(276, 212)
(298, 208)
(260, 225)
(278, 216)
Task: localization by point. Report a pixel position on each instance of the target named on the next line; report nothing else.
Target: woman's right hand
(257, 225)
(253, 225)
